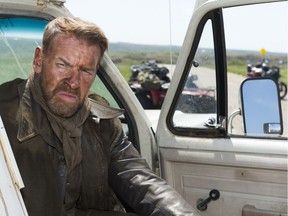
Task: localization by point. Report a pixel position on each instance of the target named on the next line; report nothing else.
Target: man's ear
(37, 61)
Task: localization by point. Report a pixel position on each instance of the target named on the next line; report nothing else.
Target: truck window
(198, 100)
(199, 109)
(253, 46)
(256, 46)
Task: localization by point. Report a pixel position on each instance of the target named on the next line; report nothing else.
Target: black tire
(145, 99)
(166, 79)
(282, 89)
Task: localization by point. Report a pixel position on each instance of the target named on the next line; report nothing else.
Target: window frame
(126, 117)
(216, 18)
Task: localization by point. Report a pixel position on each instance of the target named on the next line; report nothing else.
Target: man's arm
(134, 182)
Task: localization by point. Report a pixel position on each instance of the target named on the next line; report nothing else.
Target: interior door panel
(241, 178)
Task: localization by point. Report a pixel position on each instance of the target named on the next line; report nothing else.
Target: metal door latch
(202, 204)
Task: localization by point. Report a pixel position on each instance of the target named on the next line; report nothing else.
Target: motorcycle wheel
(282, 89)
(145, 99)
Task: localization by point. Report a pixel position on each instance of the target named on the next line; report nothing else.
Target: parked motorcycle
(264, 70)
(150, 98)
(151, 66)
(150, 84)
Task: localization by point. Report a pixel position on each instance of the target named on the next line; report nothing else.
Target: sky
(136, 21)
(164, 22)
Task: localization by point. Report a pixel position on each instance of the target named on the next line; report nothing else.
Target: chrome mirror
(261, 107)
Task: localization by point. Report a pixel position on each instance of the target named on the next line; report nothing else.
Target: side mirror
(261, 107)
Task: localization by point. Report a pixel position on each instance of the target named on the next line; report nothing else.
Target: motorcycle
(264, 70)
(152, 67)
(149, 83)
(150, 98)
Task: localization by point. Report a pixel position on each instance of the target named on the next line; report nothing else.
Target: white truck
(228, 160)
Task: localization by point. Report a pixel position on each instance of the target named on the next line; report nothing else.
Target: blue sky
(148, 21)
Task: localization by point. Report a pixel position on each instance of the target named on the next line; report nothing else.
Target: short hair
(77, 27)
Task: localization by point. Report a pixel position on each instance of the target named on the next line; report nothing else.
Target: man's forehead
(61, 40)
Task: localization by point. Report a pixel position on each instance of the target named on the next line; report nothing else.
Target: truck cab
(224, 151)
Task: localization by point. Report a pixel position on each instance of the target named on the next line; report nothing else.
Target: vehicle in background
(263, 69)
(150, 83)
(151, 67)
(229, 160)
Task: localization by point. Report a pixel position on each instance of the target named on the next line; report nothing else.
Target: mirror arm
(230, 119)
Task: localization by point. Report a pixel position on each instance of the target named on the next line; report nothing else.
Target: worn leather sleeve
(135, 183)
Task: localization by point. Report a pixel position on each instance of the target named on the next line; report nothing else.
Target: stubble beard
(57, 106)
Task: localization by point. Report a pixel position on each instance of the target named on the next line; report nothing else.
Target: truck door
(206, 150)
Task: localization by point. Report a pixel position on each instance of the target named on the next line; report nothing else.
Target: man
(71, 151)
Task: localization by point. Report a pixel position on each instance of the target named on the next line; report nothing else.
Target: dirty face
(66, 73)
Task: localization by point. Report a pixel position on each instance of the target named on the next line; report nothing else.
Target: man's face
(66, 73)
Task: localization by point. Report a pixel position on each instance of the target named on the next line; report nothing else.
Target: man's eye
(60, 65)
(87, 72)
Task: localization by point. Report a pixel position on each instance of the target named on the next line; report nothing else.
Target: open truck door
(225, 149)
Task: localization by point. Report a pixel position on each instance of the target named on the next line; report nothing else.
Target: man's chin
(63, 110)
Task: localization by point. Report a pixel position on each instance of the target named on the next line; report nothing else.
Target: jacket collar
(32, 123)
(101, 111)
(26, 127)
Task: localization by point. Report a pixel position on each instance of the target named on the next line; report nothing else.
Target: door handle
(202, 204)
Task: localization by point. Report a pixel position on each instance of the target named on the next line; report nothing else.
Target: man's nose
(74, 78)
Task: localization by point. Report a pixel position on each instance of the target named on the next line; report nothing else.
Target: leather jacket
(111, 168)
